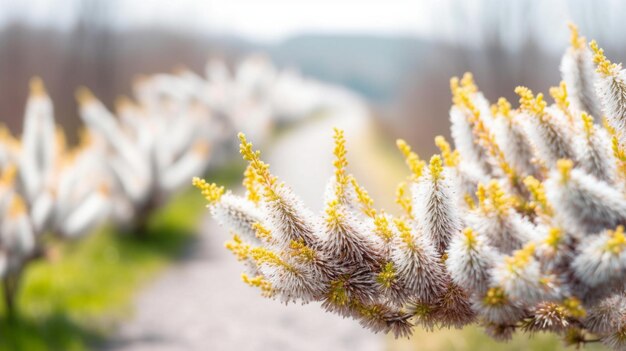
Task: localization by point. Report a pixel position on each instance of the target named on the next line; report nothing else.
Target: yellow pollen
(84, 96)
(529, 103)
(7, 177)
(500, 202)
(382, 227)
(211, 192)
(455, 89)
(481, 195)
(587, 123)
(85, 137)
(240, 249)
(574, 307)
(259, 282)
(364, 199)
(123, 103)
(504, 107)
(422, 309)
(487, 140)
(565, 168)
(520, 258)
(450, 159)
(436, 168)
(411, 158)
(466, 101)
(467, 83)
(495, 297)
(576, 41)
(607, 125)
(337, 293)
(405, 233)
(260, 168)
(387, 275)
(618, 151)
(554, 238)
(8, 139)
(494, 110)
(301, 250)
(261, 256)
(261, 232)
(333, 214)
(469, 201)
(559, 94)
(404, 199)
(340, 163)
(17, 207)
(251, 184)
(37, 88)
(604, 66)
(470, 238)
(60, 140)
(620, 155)
(538, 193)
(617, 242)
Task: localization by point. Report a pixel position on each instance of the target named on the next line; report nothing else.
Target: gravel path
(201, 303)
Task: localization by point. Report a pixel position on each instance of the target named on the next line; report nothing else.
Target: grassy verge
(473, 338)
(73, 301)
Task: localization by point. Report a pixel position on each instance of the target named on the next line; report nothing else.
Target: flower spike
(411, 158)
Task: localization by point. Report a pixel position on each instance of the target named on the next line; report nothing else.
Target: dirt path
(201, 303)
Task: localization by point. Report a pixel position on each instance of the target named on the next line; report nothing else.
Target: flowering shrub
(177, 124)
(129, 163)
(519, 227)
(45, 188)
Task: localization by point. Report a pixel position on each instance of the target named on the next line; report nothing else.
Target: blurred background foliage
(74, 298)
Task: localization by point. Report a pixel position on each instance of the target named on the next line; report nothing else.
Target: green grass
(73, 302)
(473, 338)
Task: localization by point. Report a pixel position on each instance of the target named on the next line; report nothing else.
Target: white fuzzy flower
(522, 279)
(470, 261)
(237, 214)
(579, 74)
(582, 203)
(345, 239)
(292, 285)
(607, 315)
(611, 88)
(39, 148)
(546, 316)
(435, 208)
(602, 258)
(288, 219)
(504, 230)
(418, 265)
(616, 340)
(465, 142)
(594, 152)
(550, 135)
(510, 135)
(496, 307)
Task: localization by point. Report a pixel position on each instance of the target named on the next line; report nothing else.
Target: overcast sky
(257, 19)
(273, 20)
